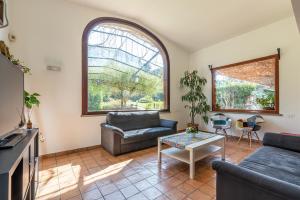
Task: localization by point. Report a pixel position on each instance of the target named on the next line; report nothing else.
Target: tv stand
(19, 167)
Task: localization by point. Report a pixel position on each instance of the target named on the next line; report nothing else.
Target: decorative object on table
(250, 128)
(221, 123)
(22, 118)
(191, 130)
(30, 101)
(197, 102)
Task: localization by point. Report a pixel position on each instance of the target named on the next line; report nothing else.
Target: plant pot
(195, 126)
(29, 125)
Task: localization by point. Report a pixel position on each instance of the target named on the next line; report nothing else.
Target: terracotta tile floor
(96, 175)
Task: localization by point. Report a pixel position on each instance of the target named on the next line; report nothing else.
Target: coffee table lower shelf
(195, 148)
(184, 155)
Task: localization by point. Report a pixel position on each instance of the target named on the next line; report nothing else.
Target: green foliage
(93, 102)
(191, 130)
(119, 87)
(126, 85)
(5, 51)
(31, 100)
(268, 100)
(24, 68)
(234, 95)
(197, 102)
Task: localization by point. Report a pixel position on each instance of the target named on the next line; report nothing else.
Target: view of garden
(241, 94)
(124, 90)
(248, 85)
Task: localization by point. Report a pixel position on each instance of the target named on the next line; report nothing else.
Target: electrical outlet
(291, 116)
(42, 138)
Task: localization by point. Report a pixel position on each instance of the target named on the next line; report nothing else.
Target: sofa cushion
(133, 120)
(145, 134)
(275, 162)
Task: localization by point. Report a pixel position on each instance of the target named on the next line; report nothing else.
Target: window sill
(103, 113)
(248, 112)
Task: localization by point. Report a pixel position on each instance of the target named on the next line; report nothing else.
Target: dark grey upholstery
(145, 134)
(133, 120)
(284, 141)
(130, 131)
(270, 173)
(275, 162)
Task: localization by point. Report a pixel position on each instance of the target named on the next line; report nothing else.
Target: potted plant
(197, 102)
(30, 101)
(192, 130)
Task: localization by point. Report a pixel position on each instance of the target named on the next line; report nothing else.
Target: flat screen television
(11, 96)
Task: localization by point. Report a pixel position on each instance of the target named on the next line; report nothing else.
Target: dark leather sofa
(125, 132)
(270, 173)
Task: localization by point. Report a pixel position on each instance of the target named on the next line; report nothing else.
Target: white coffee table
(190, 148)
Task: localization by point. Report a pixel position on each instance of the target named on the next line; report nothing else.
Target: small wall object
(12, 37)
(54, 68)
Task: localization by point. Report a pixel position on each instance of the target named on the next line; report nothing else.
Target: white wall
(49, 33)
(262, 42)
(4, 35)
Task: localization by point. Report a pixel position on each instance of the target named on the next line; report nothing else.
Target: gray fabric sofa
(125, 132)
(271, 173)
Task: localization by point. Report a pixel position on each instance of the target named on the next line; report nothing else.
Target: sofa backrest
(283, 140)
(133, 120)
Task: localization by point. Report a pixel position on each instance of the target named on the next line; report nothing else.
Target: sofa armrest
(169, 124)
(238, 183)
(113, 128)
(282, 140)
(111, 138)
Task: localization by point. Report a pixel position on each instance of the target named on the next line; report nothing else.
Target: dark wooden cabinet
(19, 168)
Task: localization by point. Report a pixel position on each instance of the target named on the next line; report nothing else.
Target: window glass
(126, 69)
(247, 86)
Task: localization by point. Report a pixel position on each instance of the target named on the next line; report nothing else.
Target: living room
(81, 159)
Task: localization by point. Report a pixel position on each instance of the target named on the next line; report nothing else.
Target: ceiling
(196, 24)
(296, 8)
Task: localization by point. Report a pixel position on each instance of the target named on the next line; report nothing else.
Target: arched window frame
(160, 45)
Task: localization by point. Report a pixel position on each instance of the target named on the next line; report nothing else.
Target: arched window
(124, 67)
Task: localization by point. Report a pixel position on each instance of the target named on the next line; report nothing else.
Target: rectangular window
(250, 86)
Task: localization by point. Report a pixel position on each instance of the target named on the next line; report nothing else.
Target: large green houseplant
(197, 102)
